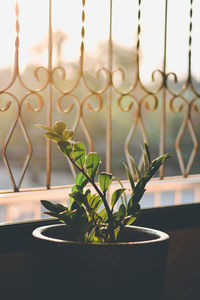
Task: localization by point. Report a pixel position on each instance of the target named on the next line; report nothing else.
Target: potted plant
(95, 253)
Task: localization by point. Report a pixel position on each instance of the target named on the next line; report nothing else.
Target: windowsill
(17, 236)
(25, 205)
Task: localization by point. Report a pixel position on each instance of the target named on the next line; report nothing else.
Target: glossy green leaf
(59, 127)
(79, 154)
(56, 208)
(133, 208)
(74, 189)
(97, 205)
(90, 235)
(92, 164)
(75, 205)
(129, 220)
(90, 198)
(116, 218)
(103, 215)
(122, 211)
(52, 214)
(155, 165)
(147, 152)
(78, 197)
(145, 159)
(105, 181)
(67, 134)
(45, 127)
(53, 136)
(66, 148)
(135, 167)
(130, 178)
(115, 196)
(117, 230)
(120, 183)
(94, 201)
(81, 180)
(88, 194)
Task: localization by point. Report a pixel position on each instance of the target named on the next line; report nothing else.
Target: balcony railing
(138, 82)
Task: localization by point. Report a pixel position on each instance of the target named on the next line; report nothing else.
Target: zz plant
(89, 215)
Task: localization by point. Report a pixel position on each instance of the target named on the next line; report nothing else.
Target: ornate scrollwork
(180, 107)
(63, 77)
(154, 79)
(194, 106)
(130, 105)
(28, 105)
(154, 106)
(9, 103)
(90, 108)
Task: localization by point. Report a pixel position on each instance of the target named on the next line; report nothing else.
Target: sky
(33, 20)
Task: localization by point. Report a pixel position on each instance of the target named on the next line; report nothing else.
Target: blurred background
(133, 40)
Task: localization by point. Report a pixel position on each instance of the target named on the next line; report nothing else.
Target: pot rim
(161, 236)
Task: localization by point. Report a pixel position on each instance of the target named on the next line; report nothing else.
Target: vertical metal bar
(190, 43)
(163, 103)
(138, 43)
(109, 98)
(50, 96)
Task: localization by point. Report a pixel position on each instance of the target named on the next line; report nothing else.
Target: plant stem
(109, 212)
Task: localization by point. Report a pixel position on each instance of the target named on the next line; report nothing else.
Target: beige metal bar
(109, 97)
(163, 102)
(50, 97)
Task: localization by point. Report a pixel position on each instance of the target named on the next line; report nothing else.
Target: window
(119, 73)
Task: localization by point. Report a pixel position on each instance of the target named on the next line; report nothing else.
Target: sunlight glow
(33, 34)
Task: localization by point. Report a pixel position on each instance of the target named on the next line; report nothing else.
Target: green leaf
(59, 127)
(81, 180)
(79, 154)
(78, 197)
(115, 196)
(97, 205)
(91, 198)
(90, 235)
(66, 148)
(74, 189)
(88, 197)
(95, 201)
(53, 136)
(133, 208)
(45, 127)
(136, 197)
(116, 218)
(56, 208)
(130, 178)
(129, 220)
(155, 165)
(75, 205)
(120, 183)
(147, 152)
(135, 167)
(103, 215)
(92, 164)
(145, 159)
(116, 231)
(122, 211)
(51, 214)
(105, 181)
(67, 134)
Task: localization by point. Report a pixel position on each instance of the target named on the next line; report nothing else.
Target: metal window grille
(106, 98)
